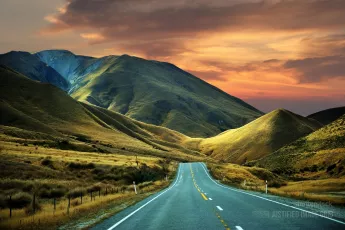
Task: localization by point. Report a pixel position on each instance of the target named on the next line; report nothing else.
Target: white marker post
(135, 187)
(166, 177)
(266, 186)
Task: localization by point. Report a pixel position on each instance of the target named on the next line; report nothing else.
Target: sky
(270, 53)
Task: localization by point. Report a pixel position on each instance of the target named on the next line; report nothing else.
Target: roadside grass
(47, 218)
(321, 190)
(55, 173)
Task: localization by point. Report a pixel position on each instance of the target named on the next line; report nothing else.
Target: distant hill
(40, 111)
(32, 67)
(150, 91)
(321, 152)
(329, 115)
(256, 139)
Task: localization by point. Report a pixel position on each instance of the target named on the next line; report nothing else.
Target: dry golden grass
(22, 168)
(47, 218)
(324, 190)
(255, 139)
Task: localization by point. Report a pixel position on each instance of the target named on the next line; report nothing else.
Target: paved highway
(196, 201)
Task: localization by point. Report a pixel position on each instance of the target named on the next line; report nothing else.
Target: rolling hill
(150, 91)
(41, 112)
(321, 153)
(327, 116)
(32, 67)
(256, 139)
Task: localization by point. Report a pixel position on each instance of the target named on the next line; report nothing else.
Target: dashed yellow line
(203, 196)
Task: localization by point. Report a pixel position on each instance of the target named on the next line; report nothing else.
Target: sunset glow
(259, 51)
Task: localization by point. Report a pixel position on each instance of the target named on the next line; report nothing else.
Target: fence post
(10, 204)
(91, 195)
(106, 191)
(266, 186)
(54, 204)
(99, 192)
(135, 187)
(81, 197)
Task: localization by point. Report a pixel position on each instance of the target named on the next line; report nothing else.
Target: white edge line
(132, 213)
(239, 228)
(210, 198)
(219, 208)
(329, 218)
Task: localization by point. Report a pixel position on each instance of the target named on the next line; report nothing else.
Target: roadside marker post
(135, 187)
(266, 186)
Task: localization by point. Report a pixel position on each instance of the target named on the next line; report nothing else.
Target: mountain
(32, 67)
(150, 91)
(256, 139)
(32, 110)
(67, 64)
(321, 152)
(327, 116)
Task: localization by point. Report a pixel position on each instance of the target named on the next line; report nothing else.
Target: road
(196, 201)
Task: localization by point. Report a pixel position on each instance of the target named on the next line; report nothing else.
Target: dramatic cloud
(163, 19)
(318, 69)
(258, 50)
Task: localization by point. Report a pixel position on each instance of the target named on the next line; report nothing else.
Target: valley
(95, 125)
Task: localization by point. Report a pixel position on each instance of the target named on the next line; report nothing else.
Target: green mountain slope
(33, 110)
(153, 92)
(256, 139)
(327, 116)
(321, 152)
(32, 67)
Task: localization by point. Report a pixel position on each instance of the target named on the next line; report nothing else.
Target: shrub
(3, 201)
(313, 168)
(75, 165)
(74, 193)
(276, 183)
(94, 188)
(29, 210)
(331, 167)
(47, 162)
(20, 200)
(51, 193)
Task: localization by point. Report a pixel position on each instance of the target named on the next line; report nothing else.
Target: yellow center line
(203, 196)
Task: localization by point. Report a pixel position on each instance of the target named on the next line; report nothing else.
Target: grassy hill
(150, 91)
(327, 116)
(32, 67)
(256, 139)
(320, 154)
(34, 111)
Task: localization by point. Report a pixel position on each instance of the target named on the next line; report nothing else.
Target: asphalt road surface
(196, 201)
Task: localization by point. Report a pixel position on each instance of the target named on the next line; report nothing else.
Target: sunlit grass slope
(36, 111)
(256, 139)
(153, 92)
(321, 154)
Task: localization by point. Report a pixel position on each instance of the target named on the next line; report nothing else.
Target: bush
(94, 188)
(74, 193)
(29, 210)
(3, 201)
(331, 167)
(20, 200)
(47, 162)
(276, 183)
(313, 168)
(74, 165)
(51, 193)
